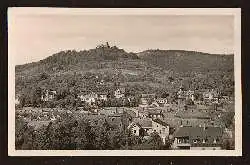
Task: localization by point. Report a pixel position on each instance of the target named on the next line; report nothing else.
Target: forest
(71, 72)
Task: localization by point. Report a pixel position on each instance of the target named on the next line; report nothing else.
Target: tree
(155, 141)
(90, 137)
(164, 95)
(36, 96)
(102, 137)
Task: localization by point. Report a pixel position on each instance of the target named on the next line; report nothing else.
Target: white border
(128, 11)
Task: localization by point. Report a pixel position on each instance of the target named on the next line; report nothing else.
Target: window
(157, 125)
(134, 131)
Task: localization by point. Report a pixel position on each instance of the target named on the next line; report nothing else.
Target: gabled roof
(199, 132)
(121, 89)
(131, 113)
(148, 95)
(161, 122)
(144, 123)
(154, 111)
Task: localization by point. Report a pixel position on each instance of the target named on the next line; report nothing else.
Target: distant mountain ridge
(188, 60)
(154, 56)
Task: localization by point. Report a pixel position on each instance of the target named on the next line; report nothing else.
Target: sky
(35, 36)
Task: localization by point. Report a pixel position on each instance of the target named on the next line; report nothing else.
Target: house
(48, 95)
(141, 127)
(131, 99)
(103, 96)
(119, 93)
(135, 110)
(142, 113)
(181, 93)
(146, 100)
(160, 102)
(184, 95)
(190, 95)
(155, 113)
(211, 96)
(135, 129)
(144, 127)
(17, 100)
(198, 138)
(161, 128)
(111, 110)
(88, 98)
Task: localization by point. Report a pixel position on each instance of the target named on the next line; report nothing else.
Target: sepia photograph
(124, 82)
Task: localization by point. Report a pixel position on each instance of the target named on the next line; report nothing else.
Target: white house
(119, 93)
(48, 95)
(141, 127)
(89, 98)
(144, 127)
(103, 96)
(146, 100)
(17, 101)
(161, 128)
(160, 102)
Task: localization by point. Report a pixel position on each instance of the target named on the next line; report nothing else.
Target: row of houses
(91, 97)
(185, 137)
(147, 100)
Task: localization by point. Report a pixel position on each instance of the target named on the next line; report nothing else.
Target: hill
(184, 61)
(147, 71)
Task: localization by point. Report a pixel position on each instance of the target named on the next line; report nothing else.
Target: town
(181, 120)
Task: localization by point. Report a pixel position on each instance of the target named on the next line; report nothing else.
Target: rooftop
(199, 132)
(144, 123)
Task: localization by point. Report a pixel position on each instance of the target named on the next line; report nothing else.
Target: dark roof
(199, 132)
(161, 122)
(143, 122)
(131, 113)
(154, 111)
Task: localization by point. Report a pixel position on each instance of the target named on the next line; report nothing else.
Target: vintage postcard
(124, 82)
